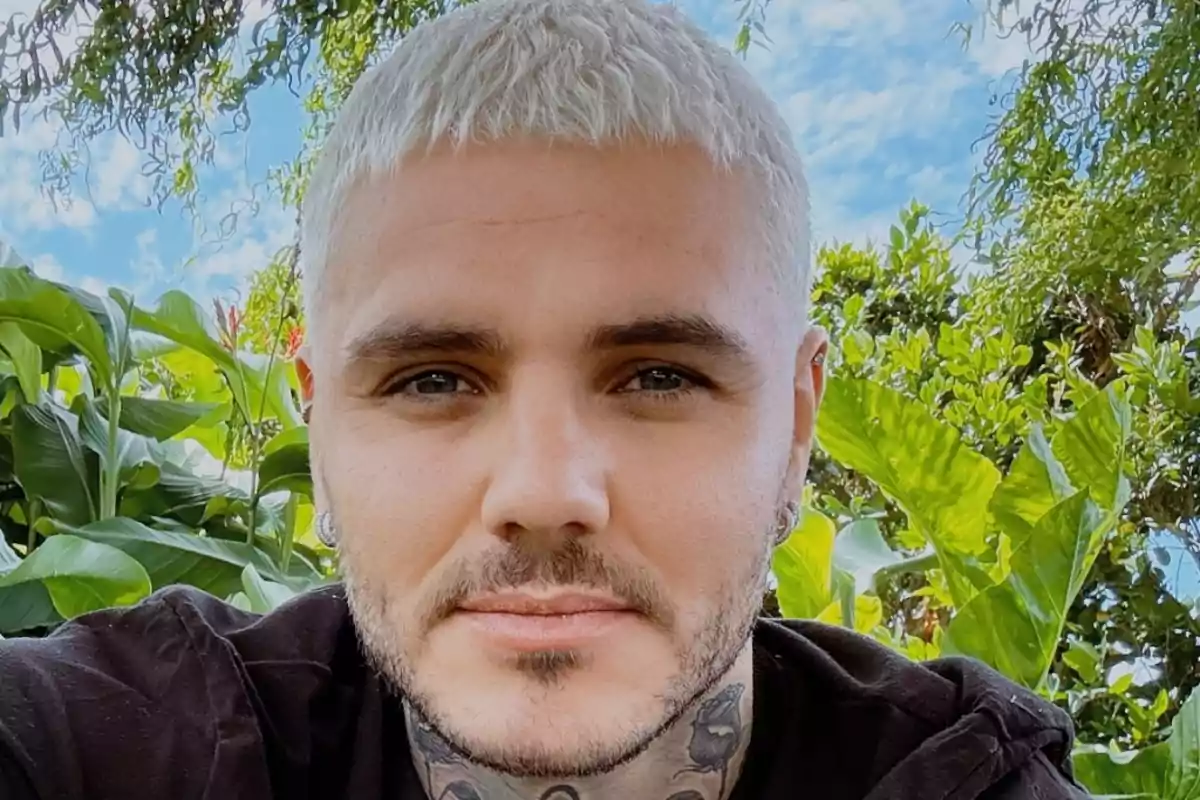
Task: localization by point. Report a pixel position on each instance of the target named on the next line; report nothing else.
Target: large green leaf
(79, 576)
(803, 565)
(921, 463)
(179, 493)
(53, 319)
(286, 467)
(269, 389)
(110, 313)
(1167, 771)
(50, 464)
(262, 595)
(1091, 447)
(26, 605)
(10, 394)
(1015, 626)
(258, 383)
(1034, 484)
(162, 419)
(861, 552)
(170, 557)
(204, 380)
(1055, 531)
(6, 461)
(137, 458)
(8, 557)
(26, 359)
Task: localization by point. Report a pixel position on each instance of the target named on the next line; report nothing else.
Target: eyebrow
(687, 330)
(395, 340)
(391, 340)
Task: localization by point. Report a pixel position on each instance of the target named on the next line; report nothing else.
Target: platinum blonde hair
(597, 71)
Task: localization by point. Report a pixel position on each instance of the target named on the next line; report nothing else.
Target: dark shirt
(184, 696)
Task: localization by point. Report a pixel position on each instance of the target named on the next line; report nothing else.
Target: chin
(551, 713)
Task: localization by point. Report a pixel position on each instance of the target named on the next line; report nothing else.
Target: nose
(549, 476)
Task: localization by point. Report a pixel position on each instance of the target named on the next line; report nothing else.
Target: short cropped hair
(593, 71)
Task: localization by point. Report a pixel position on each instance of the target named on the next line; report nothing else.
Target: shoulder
(169, 682)
(954, 720)
(838, 666)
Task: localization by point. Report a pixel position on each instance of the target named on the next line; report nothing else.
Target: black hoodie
(183, 697)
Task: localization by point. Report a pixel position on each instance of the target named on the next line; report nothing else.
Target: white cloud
(855, 18)
(253, 12)
(66, 40)
(997, 48)
(936, 186)
(872, 90)
(25, 205)
(236, 260)
(146, 267)
(48, 267)
(997, 53)
(221, 266)
(843, 123)
(97, 286)
(115, 180)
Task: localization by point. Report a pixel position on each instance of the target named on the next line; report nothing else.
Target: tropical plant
(929, 519)
(1006, 553)
(115, 473)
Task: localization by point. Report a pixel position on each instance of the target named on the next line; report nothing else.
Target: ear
(808, 390)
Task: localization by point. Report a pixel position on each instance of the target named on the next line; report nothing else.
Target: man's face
(556, 412)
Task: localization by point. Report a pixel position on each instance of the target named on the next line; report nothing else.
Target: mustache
(570, 564)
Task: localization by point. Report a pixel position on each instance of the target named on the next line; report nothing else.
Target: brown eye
(659, 381)
(432, 383)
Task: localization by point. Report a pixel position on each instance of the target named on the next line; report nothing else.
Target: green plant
(115, 474)
(1004, 555)
(997, 353)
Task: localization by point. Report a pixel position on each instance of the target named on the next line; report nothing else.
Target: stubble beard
(702, 659)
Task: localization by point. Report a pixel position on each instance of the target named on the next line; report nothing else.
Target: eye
(660, 380)
(431, 383)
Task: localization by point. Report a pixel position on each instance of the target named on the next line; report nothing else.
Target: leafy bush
(119, 459)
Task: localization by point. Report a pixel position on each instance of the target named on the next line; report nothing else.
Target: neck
(699, 757)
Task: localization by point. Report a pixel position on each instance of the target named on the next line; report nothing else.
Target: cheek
(698, 504)
(401, 500)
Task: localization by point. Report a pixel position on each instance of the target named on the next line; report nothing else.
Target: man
(563, 398)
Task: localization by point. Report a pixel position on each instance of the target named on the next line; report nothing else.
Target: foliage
(1006, 484)
(166, 74)
(115, 474)
(1096, 152)
(1169, 770)
(1089, 209)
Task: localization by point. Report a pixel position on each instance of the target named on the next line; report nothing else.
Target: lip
(550, 604)
(525, 622)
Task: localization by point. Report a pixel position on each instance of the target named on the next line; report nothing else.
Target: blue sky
(885, 101)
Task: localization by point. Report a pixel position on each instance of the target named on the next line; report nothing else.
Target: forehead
(538, 240)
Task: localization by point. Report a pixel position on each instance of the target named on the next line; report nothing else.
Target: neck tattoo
(698, 758)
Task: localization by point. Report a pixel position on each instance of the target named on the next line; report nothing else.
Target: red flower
(227, 324)
(294, 340)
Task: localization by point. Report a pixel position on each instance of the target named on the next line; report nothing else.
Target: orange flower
(294, 340)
